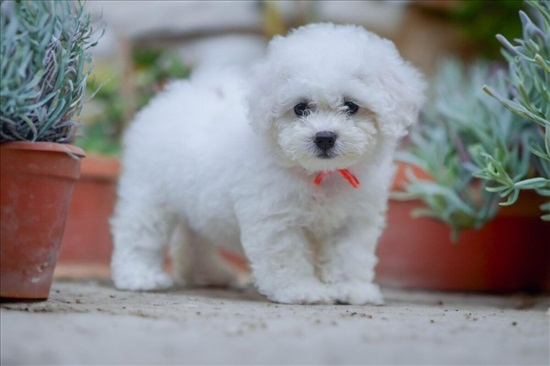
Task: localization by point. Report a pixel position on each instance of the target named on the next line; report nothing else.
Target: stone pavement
(87, 322)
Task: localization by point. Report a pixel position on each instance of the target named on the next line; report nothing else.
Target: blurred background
(147, 43)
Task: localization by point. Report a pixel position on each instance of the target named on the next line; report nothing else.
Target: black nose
(325, 140)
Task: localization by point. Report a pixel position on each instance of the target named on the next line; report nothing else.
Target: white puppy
(291, 162)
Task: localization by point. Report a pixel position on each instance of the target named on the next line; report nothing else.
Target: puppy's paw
(311, 293)
(142, 280)
(358, 293)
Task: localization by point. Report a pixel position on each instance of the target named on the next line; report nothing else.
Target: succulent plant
(528, 86)
(477, 148)
(44, 49)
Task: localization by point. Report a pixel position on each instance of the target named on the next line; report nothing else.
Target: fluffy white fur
(222, 159)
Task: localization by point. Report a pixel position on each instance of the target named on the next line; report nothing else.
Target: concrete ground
(87, 322)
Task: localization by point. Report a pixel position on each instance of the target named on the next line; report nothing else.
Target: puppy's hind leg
(141, 230)
(208, 268)
(180, 253)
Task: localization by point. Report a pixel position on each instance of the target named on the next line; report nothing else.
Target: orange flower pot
(87, 243)
(511, 253)
(37, 181)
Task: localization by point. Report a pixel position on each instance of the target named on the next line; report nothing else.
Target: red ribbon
(352, 179)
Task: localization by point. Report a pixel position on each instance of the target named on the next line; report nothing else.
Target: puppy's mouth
(323, 154)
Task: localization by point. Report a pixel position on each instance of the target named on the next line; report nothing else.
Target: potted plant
(44, 48)
(479, 152)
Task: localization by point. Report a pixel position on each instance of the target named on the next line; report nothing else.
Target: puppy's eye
(301, 109)
(352, 108)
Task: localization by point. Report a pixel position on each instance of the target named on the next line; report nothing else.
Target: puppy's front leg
(346, 262)
(282, 265)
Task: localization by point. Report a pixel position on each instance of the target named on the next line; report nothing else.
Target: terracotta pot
(510, 253)
(37, 181)
(87, 242)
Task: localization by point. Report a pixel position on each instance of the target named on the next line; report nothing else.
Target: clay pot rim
(100, 167)
(44, 146)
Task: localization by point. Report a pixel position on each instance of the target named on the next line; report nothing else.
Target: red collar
(352, 179)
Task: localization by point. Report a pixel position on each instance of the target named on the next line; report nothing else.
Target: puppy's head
(327, 94)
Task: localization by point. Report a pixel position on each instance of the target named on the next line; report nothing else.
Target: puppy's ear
(401, 95)
(261, 96)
